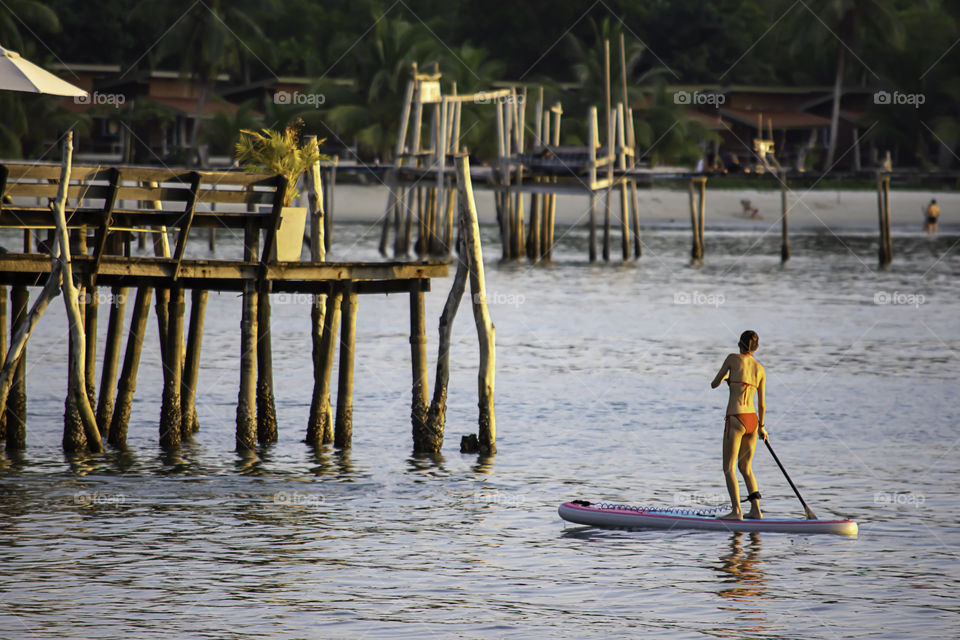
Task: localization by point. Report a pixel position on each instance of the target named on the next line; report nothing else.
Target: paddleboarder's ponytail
(749, 341)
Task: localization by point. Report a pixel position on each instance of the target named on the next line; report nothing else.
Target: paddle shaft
(807, 509)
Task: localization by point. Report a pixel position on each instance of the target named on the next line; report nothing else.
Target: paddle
(809, 511)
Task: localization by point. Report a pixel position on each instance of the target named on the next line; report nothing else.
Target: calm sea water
(602, 393)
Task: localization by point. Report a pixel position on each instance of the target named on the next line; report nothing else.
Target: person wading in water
(743, 424)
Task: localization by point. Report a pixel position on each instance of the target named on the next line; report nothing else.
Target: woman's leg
(732, 434)
(748, 446)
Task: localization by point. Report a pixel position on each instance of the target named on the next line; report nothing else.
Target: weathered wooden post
(131, 364)
(91, 306)
(3, 341)
(624, 203)
(609, 155)
(429, 439)
(16, 405)
(630, 144)
(785, 209)
(703, 213)
(485, 329)
(883, 206)
(592, 160)
(329, 199)
(80, 423)
(318, 422)
(266, 406)
(191, 365)
(247, 396)
(422, 442)
(320, 427)
(171, 350)
(697, 250)
(343, 428)
(557, 111)
(111, 359)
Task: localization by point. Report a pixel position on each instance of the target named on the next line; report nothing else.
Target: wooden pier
(78, 225)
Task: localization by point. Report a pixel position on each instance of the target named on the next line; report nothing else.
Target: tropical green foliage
(277, 152)
(359, 55)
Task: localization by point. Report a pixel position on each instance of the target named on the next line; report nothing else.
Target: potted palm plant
(280, 152)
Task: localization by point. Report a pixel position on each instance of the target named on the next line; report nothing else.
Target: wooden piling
(550, 226)
(883, 206)
(785, 209)
(266, 406)
(171, 350)
(111, 359)
(422, 442)
(3, 351)
(247, 396)
(80, 423)
(329, 195)
(481, 314)
(91, 306)
(592, 176)
(320, 427)
(131, 364)
(191, 364)
(624, 203)
(697, 251)
(16, 409)
(343, 428)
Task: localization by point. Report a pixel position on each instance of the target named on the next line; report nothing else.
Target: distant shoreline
(827, 208)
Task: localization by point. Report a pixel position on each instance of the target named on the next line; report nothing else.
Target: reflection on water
(742, 569)
(744, 584)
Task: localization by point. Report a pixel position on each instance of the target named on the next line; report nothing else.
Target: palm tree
(366, 111)
(664, 134)
(15, 14)
(842, 25)
(207, 37)
(223, 130)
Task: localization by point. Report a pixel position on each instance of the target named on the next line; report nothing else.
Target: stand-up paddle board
(619, 516)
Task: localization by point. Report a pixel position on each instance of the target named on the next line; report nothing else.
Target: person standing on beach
(743, 423)
(932, 214)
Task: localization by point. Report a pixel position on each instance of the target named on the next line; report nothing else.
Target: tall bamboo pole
(131, 364)
(80, 423)
(191, 364)
(485, 329)
(111, 359)
(343, 427)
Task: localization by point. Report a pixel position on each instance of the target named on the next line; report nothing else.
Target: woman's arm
(724, 370)
(762, 402)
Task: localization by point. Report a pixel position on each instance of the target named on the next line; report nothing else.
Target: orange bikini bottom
(749, 420)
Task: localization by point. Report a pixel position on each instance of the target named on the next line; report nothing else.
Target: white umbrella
(19, 74)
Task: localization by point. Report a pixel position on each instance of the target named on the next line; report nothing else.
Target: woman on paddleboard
(743, 424)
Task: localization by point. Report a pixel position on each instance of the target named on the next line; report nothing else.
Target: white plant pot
(290, 233)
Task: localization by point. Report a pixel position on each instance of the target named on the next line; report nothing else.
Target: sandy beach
(837, 210)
